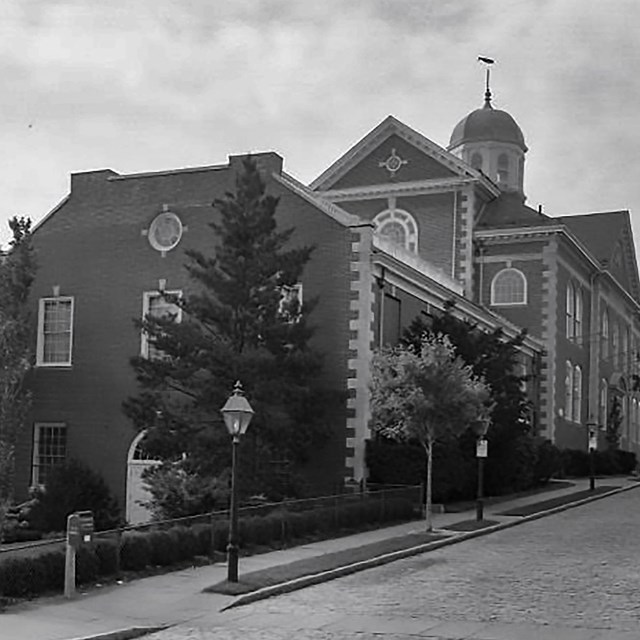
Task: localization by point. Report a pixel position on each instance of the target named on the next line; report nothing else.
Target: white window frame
(577, 394)
(405, 219)
(568, 391)
(570, 310)
(604, 334)
(40, 341)
(285, 291)
(147, 296)
(512, 303)
(36, 466)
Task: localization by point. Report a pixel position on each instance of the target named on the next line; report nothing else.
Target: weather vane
(487, 94)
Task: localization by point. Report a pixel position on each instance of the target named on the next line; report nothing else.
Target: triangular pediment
(392, 153)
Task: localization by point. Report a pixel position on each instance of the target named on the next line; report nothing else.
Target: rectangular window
(568, 389)
(155, 305)
(49, 450)
(290, 304)
(55, 332)
(391, 324)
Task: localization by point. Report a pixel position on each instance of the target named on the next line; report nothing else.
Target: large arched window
(568, 391)
(398, 226)
(604, 334)
(509, 287)
(574, 307)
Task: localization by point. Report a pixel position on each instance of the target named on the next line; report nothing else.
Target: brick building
(401, 226)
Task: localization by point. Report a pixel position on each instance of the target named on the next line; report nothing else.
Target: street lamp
(592, 432)
(237, 414)
(481, 428)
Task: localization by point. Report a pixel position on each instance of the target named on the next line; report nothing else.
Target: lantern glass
(237, 412)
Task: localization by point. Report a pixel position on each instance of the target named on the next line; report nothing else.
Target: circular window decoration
(165, 231)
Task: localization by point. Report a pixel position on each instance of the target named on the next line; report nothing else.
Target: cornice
(414, 188)
(390, 126)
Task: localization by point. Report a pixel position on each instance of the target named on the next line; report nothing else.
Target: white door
(137, 493)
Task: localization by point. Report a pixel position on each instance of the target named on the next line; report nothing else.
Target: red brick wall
(94, 250)
(368, 172)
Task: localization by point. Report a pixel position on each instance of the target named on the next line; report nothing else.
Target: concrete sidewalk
(177, 597)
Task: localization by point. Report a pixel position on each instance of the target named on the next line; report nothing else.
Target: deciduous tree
(424, 393)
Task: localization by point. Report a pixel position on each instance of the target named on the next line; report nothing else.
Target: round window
(165, 231)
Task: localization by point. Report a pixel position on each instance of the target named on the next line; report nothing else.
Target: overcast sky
(145, 85)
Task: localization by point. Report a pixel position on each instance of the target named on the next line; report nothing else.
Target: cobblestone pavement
(571, 576)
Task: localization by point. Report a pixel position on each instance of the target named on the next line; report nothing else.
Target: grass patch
(326, 562)
(471, 525)
(468, 505)
(536, 507)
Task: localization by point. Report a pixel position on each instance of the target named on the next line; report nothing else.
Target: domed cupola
(491, 140)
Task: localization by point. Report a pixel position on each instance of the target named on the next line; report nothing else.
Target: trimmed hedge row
(30, 576)
(612, 462)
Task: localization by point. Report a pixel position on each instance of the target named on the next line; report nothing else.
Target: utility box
(80, 528)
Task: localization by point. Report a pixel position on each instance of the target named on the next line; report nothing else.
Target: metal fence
(379, 495)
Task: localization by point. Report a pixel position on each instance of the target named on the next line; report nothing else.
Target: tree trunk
(429, 449)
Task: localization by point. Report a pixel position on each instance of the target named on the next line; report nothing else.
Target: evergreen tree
(238, 323)
(17, 271)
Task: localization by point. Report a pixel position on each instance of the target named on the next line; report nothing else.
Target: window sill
(508, 304)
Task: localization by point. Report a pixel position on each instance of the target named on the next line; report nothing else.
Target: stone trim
(549, 314)
(361, 332)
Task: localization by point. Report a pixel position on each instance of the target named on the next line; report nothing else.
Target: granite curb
(124, 634)
(331, 574)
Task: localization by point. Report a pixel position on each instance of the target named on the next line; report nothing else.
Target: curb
(325, 576)
(124, 634)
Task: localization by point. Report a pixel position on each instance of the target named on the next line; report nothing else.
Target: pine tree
(17, 271)
(237, 324)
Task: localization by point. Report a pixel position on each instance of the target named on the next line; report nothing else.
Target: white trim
(35, 466)
(513, 303)
(405, 220)
(40, 340)
(146, 297)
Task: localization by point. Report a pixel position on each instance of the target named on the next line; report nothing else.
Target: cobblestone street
(574, 575)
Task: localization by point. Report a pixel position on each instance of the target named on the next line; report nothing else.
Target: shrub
(87, 565)
(107, 553)
(548, 461)
(135, 552)
(73, 487)
(163, 548)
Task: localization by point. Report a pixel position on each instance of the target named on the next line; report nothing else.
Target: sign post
(593, 447)
(79, 532)
(481, 454)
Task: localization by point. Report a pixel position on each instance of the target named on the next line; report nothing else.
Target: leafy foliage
(70, 487)
(235, 327)
(425, 395)
(17, 271)
(614, 423)
(493, 358)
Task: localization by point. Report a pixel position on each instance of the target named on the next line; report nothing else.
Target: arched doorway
(137, 461)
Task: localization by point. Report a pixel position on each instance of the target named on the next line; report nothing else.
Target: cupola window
(476, 160)
(503, 168)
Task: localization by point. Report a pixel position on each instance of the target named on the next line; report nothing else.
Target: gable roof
(604, 234)
(509, 210)
(599, 232)
(388, 127)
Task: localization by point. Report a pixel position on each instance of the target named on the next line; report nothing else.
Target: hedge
(30, 576)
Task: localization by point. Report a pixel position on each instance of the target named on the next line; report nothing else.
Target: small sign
(482, 448)
(593, 442)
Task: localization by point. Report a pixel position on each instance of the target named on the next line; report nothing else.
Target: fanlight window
(399, 227)
(509, 286)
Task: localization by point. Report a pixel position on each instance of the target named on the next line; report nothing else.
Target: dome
(487, 125)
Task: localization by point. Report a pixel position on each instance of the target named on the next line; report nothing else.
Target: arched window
(577, 393)
(476, 160)
(604, 334)
(615, 344)
(603, 408)
(568, 391)
(509, 287)
(574, 307)
(399, 227)
(503, 168)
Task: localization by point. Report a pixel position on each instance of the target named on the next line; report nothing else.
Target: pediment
(392, 153)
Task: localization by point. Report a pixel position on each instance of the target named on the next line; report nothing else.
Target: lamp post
(592, 432)
(482, 427)
(237, 414)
